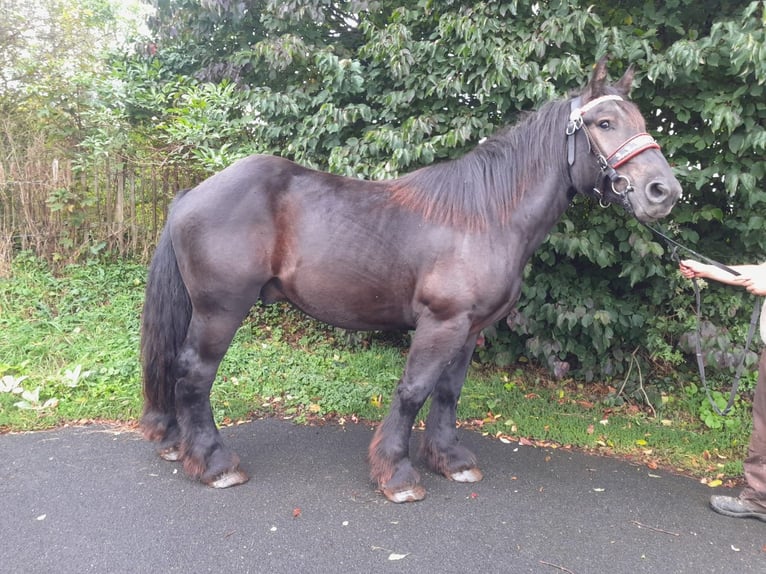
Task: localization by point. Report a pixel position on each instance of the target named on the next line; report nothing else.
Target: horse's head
(610, 154)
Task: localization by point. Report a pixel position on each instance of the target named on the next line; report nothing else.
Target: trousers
(755, 463)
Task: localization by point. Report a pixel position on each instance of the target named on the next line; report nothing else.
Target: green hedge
(376, 88)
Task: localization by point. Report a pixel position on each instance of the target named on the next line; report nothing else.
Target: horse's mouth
(653, 215)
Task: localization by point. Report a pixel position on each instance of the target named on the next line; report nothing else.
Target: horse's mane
(485, 185)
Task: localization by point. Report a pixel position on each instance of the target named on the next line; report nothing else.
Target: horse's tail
(165, 321)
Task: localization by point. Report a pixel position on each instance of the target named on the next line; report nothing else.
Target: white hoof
(230, 478)
(468, 475)
(409, 495)
(172, 454)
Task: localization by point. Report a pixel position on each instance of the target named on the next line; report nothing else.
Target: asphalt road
(97, 499)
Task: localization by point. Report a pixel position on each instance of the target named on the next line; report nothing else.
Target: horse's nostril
(657, 191)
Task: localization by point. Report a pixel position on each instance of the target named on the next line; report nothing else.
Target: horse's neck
(540, 209)
(532, 172)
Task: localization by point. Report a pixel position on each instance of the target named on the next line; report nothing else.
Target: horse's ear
(626, 82)
(595, 87)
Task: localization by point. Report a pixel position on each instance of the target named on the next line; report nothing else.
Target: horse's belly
(357, 315)
(348, 303)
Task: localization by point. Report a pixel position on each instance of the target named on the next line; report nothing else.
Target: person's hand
(754, 280)
(691, 269)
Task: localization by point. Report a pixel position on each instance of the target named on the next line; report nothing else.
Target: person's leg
(751, 503)
(755, 463)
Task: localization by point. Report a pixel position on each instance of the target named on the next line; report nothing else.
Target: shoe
(736, 507)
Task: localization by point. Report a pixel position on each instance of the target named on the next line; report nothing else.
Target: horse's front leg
(440, 447)
(205, 457)
(434, 345)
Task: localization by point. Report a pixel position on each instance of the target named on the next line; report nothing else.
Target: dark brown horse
(439, 251)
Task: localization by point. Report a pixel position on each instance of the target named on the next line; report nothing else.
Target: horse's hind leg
(163, 428)
(204, 455)
(440, 447)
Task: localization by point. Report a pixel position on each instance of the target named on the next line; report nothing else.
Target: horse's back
(265, 183)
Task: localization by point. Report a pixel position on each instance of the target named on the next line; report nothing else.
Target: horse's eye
(604, 124)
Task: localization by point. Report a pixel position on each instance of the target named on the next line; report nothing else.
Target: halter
(608, 165)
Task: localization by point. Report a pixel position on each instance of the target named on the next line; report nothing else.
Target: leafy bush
(376, 88)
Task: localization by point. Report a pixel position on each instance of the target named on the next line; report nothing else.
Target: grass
(69, 354)
(74, 338)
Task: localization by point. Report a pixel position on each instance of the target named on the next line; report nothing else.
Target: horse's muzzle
(655, 200)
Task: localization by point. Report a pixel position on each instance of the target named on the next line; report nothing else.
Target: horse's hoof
(467, 475)
(411, 494)
(171, 453)
(229, 478)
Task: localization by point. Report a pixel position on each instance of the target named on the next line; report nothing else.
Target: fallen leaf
(393, 556)
(591, 429)
(714, 483)
(296, 512)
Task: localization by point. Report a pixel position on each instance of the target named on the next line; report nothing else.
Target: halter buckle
(628, 185)
(574, 124)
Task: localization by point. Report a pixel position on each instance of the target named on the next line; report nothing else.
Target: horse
(438, 251)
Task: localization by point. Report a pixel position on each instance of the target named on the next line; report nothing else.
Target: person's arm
(751, 277)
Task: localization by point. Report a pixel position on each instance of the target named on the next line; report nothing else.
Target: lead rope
(675, 246)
